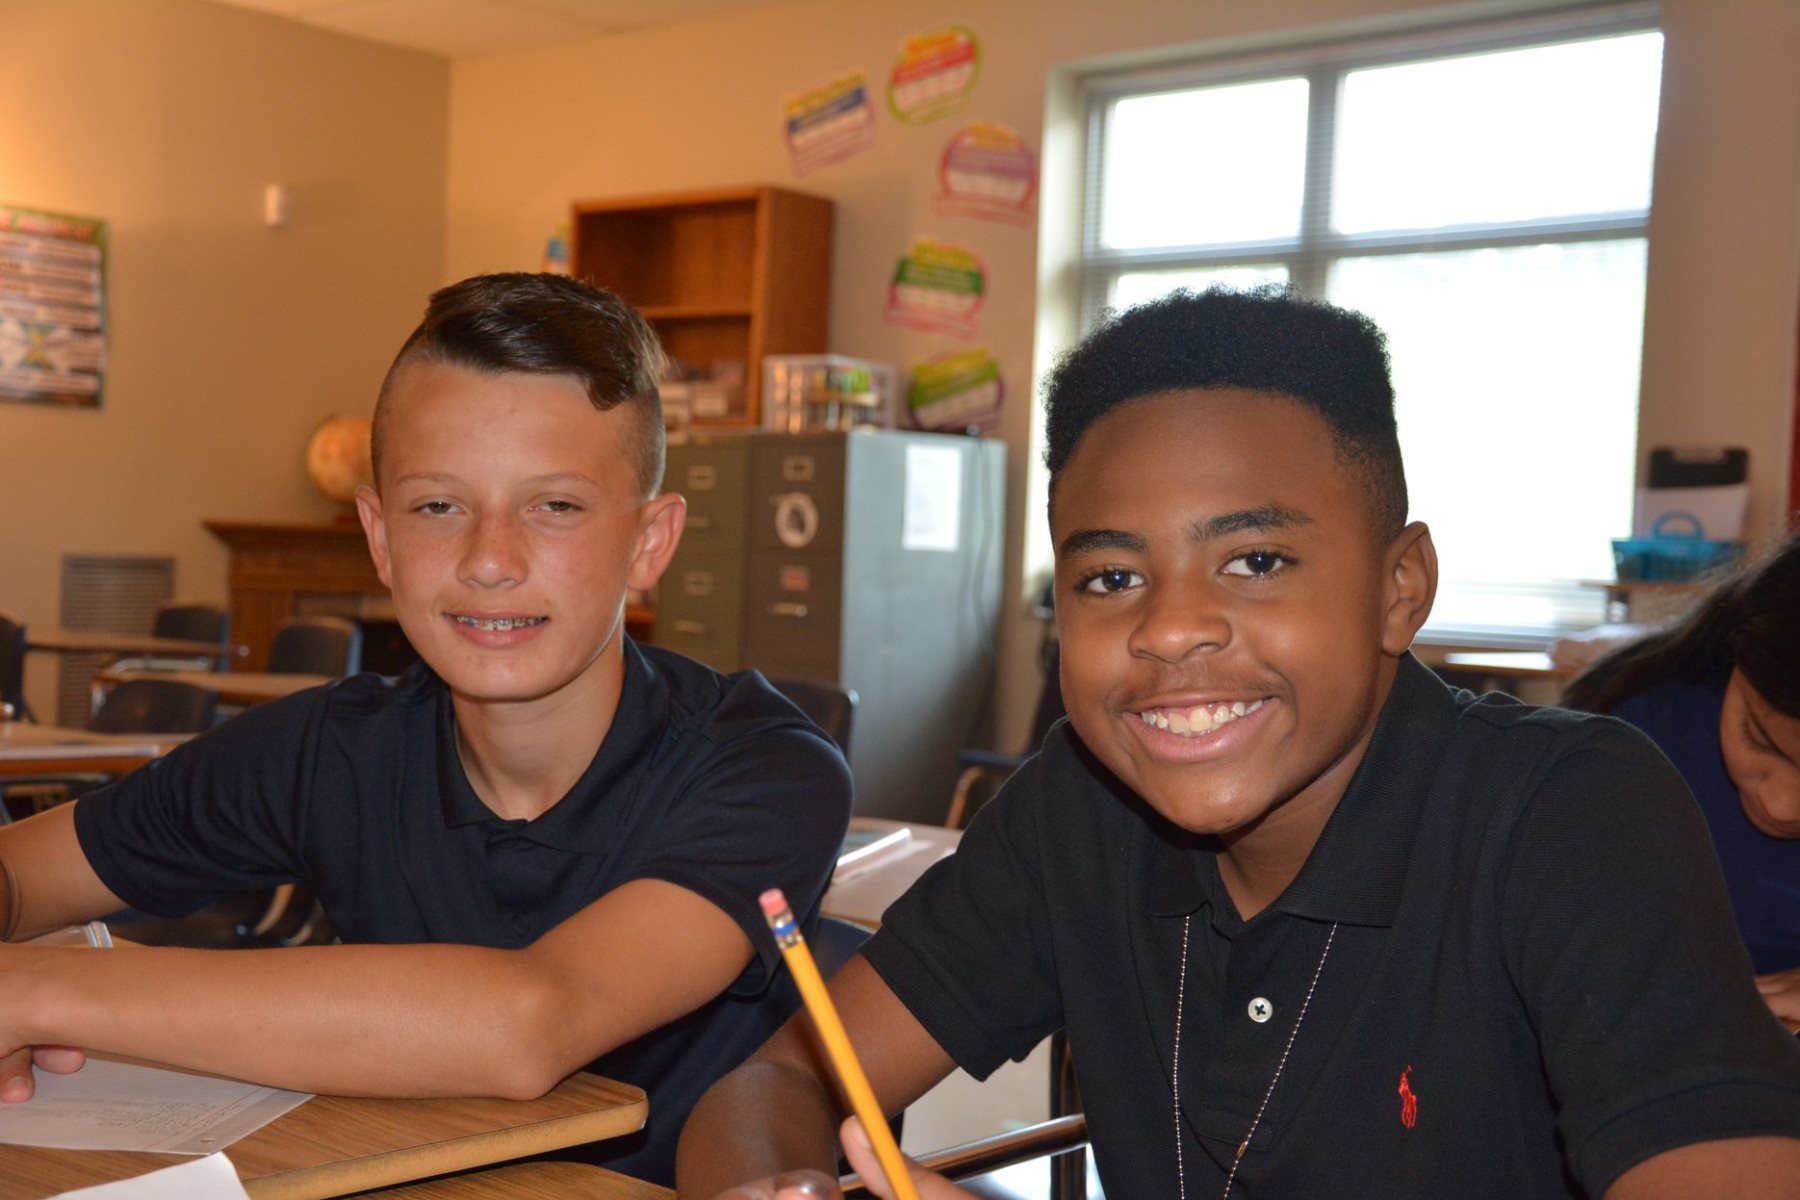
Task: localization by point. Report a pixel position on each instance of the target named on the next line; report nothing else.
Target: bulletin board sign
(829, 123)
(52, 308)
(987, 172)
(937, 287)
(935, 73)
(958, 390)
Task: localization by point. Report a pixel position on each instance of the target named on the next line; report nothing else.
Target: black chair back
(195, 623)
(832, 708)
(156, 706)
(317, 646)
(12, 664)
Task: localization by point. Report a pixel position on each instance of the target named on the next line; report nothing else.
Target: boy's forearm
(366, 1020)
(764, 1118)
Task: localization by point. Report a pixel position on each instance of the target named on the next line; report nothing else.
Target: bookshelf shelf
(725, 276)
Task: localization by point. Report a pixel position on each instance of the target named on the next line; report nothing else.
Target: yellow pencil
(837, 1042)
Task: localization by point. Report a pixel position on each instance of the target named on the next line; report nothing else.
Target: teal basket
(1671, 555)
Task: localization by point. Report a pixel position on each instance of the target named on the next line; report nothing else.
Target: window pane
(1136, 287)
(1205, 166)
(1516, 371)
(1511, 136)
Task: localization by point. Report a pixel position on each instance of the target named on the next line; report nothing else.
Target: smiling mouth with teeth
(500, 624)
(1202, 718)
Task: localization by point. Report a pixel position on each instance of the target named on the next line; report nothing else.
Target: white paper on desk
(120, 1106)
(209, 1178)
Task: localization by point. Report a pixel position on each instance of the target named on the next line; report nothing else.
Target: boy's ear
(368, 510)
(659, 532)
(1412, 575)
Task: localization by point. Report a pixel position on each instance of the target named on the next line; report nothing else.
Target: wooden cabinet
(725, 276)
(277, 568)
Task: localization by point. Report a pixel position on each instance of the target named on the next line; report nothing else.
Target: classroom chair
(137, 706)
(316, 646)
(983, 771)
(831, 707)
(12, 668)
(193, 622)
(156, 706)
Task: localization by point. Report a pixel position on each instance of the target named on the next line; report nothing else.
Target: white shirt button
(1260, 1010)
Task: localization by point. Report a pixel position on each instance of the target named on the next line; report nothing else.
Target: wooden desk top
(233, 687)
(337, 1145)
(31, 749)
(91, 641)
(864, 897)
(531, 1181)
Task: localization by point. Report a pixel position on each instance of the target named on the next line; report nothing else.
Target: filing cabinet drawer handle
(787, 609)
(692, 628)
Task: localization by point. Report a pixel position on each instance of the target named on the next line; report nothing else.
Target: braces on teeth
(1199, 719)
(501, 624)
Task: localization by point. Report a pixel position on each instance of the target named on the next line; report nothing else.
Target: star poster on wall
(52, 308)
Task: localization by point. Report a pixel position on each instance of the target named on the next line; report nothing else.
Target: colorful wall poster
(934, 75)
(988, 172)
(955, 391)
(829, 123)
(52, 308)
(938, 287)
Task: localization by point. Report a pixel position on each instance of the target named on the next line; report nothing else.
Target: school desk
(531, 1181)
(336, 1145)
(28, 749)
(90, 641)
(242, 688)
(864, 897)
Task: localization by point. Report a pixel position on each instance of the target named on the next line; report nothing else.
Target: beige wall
(698, 105)
(230, 340)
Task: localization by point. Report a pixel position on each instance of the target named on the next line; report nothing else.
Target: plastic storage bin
(802, 392)
(1671, 554)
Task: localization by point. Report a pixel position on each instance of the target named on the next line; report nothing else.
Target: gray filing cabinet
(869, 559)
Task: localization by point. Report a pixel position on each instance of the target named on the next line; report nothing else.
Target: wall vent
(113, 593)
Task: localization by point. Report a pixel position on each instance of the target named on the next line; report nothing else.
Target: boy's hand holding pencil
(868, 1142)
(928, 1185)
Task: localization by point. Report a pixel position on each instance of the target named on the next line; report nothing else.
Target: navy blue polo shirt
(1762, 873)
(711, 782)
(1533, 984)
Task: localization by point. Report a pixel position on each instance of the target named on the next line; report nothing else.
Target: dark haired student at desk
(1719, 693)
(545, 842)
(1315, 924)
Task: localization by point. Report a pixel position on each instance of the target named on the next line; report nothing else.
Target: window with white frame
(1484, 197)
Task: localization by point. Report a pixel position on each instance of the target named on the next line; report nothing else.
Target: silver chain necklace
(1175, 1075)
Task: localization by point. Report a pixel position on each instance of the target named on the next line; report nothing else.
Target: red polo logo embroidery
(1409, 1103)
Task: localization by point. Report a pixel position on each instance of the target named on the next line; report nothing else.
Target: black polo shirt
(711, 782)
(1531, 933)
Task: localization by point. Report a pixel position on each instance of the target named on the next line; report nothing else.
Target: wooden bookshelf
(728, 275)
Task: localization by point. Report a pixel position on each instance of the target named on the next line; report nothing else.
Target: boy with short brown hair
(545, 841)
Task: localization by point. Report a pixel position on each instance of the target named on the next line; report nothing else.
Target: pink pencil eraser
(773, 902)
